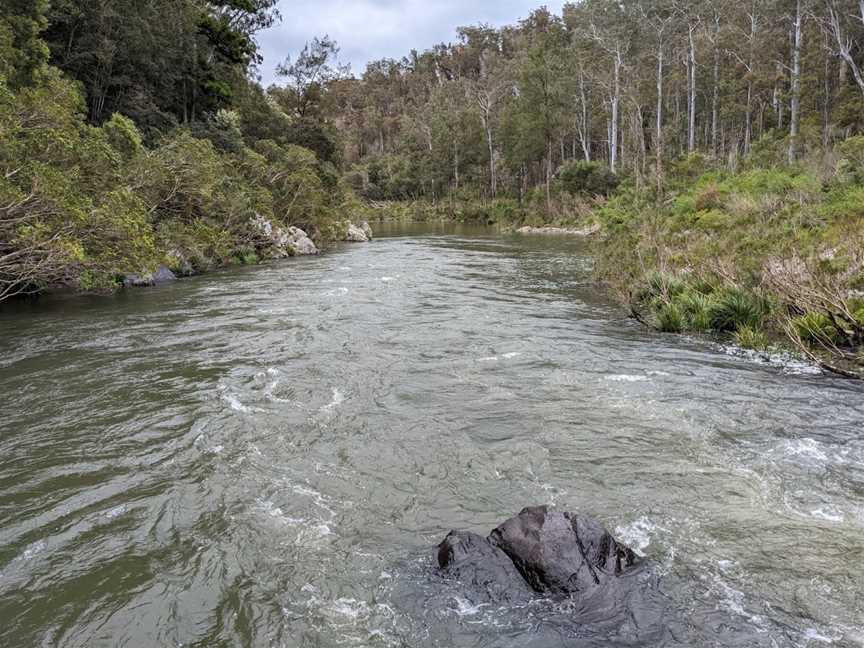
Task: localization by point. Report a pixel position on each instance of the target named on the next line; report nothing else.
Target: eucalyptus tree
(308, 76)
(488, 90)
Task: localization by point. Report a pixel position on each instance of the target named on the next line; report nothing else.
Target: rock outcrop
(284, 243)
(541, 552)
(300, 242)
(357, 234)
(162, 276)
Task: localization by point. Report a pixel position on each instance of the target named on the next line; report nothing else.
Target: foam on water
(627, 378)
(637, 535)
(234, 403)
(337, 399)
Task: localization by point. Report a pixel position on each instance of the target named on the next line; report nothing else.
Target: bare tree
(617, 47)
(795, 116)
(843, 42)
(487, 91)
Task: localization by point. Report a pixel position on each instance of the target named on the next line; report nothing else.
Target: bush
(748, 337)
(816, 328)
(670, 319)
(851, 165)
(696, 309)
(733, 309)
(588, 178)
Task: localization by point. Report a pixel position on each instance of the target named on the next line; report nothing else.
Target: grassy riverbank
(767, 255)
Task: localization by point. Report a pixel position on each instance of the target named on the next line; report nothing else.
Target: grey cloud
(368, 30)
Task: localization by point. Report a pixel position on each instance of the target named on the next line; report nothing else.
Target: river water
(267, 456)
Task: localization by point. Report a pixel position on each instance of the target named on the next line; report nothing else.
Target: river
(267, 456)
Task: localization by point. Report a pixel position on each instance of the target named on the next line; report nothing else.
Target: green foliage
(670, 319)
(123, 136)
(588, 178)
(83, 206)
(734, 308)
(817, 329)
(23, 54)
(749, 337)
(696, 308)
(851, 164)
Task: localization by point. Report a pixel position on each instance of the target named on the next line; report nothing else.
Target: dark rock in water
(562, 553)
(162, 276)
(473, 560)
(551, 553)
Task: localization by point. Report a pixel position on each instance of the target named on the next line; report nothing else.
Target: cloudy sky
(368, 30)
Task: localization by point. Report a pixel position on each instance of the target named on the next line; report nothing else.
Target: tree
(307, 78)
(491, 86)
(22, 51)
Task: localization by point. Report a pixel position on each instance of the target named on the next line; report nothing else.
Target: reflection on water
(265, 456)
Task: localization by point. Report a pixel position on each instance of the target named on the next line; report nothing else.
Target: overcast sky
(368, 30)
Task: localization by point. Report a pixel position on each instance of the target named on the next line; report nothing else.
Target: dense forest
(133, 134)
(716, 145)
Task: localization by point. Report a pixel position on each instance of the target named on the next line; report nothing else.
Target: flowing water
(267, 456)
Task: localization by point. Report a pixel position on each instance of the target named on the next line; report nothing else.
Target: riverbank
(766, 257)
(91, 207)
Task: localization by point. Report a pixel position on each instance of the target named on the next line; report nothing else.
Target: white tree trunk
(795, 116)
(691, 130)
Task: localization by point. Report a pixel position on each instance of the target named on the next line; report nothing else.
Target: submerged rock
(162, 276)
(549, 553)
(357, 234)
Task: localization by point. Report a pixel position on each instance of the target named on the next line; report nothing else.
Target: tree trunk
(585, 125)
(691, 130)
(715, 99)
(549, 175)
(493, 179)
(658, 145)
(616, 102)
(795, 116)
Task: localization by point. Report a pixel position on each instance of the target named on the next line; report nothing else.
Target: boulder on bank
(367, 230)
(301, 243)
(551, 553)
(162, 276)
(560, 231)
(284, 243)
(356, 234)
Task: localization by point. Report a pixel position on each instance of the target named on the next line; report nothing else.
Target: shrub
(696, 309)
(748, 337)
(816, 328)
(709, 197)
(670, 319)
(665, 285)
(851, 163)
(588, 178)
(734, 308)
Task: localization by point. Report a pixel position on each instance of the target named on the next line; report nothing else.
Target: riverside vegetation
(716, 145)
(131, 137)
